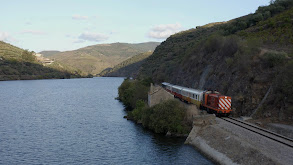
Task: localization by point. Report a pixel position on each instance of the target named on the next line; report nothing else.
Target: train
(211, 101)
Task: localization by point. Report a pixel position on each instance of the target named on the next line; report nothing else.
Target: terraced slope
(9, 51)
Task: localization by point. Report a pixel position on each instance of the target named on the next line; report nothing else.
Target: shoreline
(32, 77)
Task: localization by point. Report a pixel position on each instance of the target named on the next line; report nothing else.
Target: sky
(63, 25)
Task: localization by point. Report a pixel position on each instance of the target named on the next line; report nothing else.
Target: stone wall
(157, 94)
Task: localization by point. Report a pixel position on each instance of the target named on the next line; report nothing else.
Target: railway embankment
(227, 143)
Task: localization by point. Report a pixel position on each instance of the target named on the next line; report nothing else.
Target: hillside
(245, 58)
(127, 68)
(96, 58)
(19, 64)
(49, 53)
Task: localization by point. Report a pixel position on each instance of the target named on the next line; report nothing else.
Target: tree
(28, 56)
(257, 17)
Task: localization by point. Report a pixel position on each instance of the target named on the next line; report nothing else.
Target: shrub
(273, 59)
(131, 91)
(213, 43)
(285, 80)
(267, 14)
(284, 88)
(136, 114)
(163, 117)
(167, 116)
(230, 46)
(28, 56)
(257, 17)
(229, 61)
(242, 25)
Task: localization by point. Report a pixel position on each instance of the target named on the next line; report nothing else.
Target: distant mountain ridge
(49, 53)
(94, 59)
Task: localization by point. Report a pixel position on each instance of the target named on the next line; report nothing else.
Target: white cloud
(164, 31)
(4, 36)
(96, 37)
(79, 17)
(34, 32)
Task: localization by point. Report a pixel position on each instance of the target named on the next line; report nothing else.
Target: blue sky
(71, 24)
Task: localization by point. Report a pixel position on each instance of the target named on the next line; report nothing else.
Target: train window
(196, 97)
(192, 95)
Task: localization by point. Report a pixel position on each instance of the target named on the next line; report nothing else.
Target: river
(78, 121)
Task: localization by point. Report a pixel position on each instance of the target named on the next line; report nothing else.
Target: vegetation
(165, 117)
(276, 30)
(28, 56)
(96, 58)
(162, 118)
(284, 90)
(273, 59)
(9, 51)
(262, 13)
(131, 91)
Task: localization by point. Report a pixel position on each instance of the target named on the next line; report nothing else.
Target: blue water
(78, 121)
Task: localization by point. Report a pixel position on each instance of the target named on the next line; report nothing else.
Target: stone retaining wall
(157, 94)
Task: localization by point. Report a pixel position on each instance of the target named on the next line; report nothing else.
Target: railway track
(263, 132)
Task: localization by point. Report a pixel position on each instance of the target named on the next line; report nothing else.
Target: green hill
(245, 58)
(19, 64)
(96, 58)
(127, 68)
